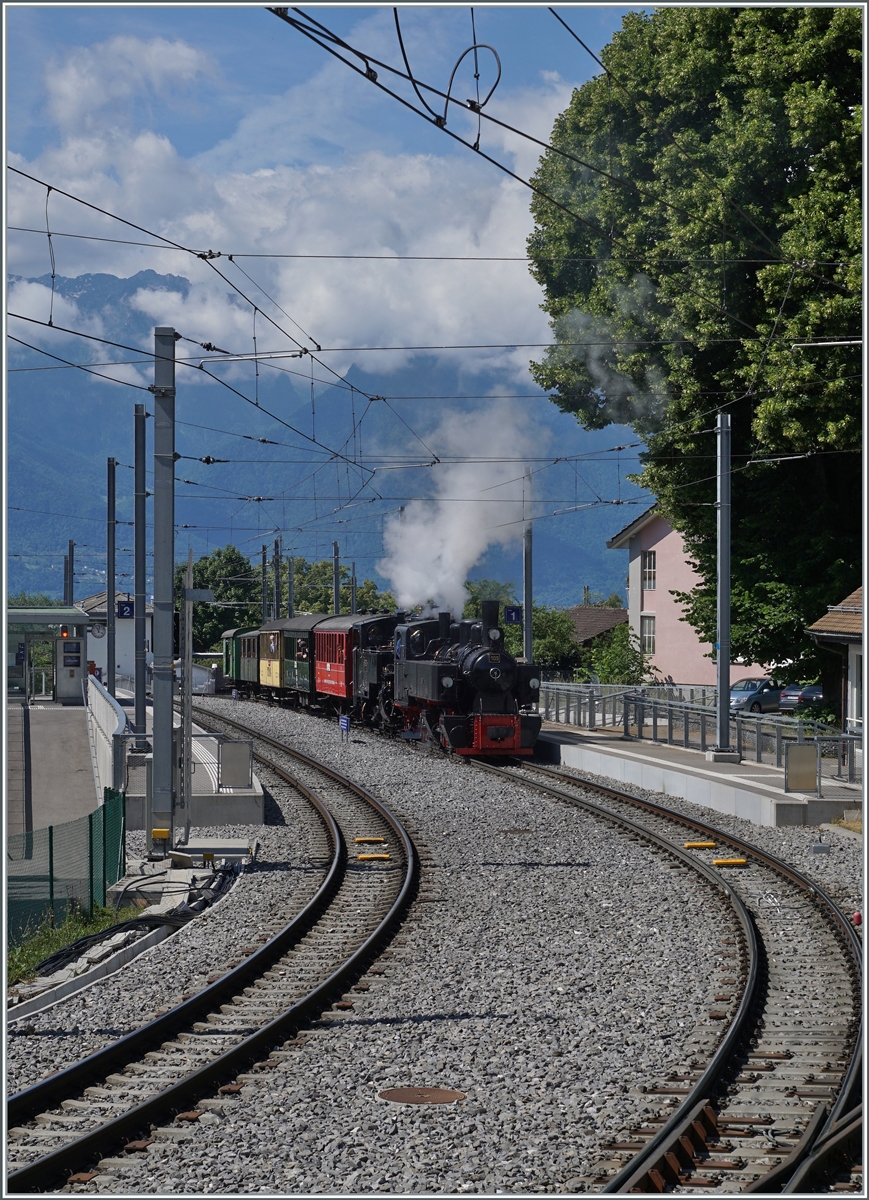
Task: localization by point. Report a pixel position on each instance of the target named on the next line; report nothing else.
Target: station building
(125, 647)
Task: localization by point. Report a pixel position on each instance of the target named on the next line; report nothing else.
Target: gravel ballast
(286, 873)
(549, 967)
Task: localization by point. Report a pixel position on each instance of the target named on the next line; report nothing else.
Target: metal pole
(66, 581)
(265, 592)
(527, 609)
(187, 706)
(336, 580)
(111, 611)
(71, 573)
(291, 587)
(164, 579)
(276, 582)
(51, 870)
(139, 573)
(722, 646)
(353, 588)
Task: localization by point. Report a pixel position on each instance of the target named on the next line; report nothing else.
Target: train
(449, 684)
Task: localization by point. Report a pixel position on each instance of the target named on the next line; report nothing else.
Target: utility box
(802, 767)
(234, 763)
(70, 668)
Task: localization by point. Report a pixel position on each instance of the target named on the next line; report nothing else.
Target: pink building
(658, 567)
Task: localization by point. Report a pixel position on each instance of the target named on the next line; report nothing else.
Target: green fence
(49, 871)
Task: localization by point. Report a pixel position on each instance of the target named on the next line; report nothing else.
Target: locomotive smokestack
(444, 622)
(490, 616)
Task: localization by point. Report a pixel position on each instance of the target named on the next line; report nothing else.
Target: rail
(633, 1177)
(54, 1167)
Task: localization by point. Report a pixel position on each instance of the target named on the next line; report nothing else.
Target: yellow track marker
(369, 839)
(699, 845)
(729, 862)
(160, 835)
(368, 857)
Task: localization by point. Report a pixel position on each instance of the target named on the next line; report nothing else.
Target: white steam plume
(435, 543)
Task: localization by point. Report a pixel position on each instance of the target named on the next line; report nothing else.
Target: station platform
(51, 780)
(753, 791)
(49, 771)
(210, 805)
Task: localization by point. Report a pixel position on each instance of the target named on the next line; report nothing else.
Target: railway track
(775, 1105)
(195, 1057)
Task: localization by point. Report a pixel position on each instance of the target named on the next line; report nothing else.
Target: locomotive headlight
(494, 634)
(447, 681)
(534, 683)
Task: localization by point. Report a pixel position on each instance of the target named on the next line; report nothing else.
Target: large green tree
(725, 230)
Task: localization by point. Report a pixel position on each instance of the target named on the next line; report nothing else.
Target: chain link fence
(50, 872)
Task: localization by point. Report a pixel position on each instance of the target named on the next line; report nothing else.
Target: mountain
(64, 423)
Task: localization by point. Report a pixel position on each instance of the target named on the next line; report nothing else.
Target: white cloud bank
(362, 202)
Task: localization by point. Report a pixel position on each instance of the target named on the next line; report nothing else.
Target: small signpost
(512, 614)
(344, 726)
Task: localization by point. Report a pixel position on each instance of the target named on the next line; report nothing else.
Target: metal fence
(64, 867)
(589, 705)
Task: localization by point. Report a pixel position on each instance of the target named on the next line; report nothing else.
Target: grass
(21, 959)
(854, 826)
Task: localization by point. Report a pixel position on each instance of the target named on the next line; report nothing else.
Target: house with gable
(657, 567)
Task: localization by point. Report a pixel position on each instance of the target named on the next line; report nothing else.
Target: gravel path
(526, 979)
(275, 887)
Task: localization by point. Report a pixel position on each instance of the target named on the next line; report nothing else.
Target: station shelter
(46, 654)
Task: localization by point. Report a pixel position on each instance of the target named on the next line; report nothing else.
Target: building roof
(589, 620)
(843, 622)
(95, 606)
(45, 616)
(621, 539)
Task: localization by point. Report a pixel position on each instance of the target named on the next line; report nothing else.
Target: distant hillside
(63, 424)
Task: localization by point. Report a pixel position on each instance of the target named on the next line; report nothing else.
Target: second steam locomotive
(449, 683)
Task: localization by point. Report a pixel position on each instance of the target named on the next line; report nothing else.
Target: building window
(650, 569)
(647, 634)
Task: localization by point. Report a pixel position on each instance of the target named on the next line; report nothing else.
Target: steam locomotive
(448, 683)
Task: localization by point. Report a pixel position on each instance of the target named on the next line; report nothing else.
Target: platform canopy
(46, 616)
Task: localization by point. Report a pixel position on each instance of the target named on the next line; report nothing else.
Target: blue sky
(223, 128)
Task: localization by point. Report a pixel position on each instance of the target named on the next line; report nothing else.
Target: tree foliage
(727, 229)
(237, 586)
(616, 657)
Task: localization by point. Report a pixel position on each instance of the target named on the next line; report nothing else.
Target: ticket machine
(70, 664)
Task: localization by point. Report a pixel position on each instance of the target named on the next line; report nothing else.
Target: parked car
(755, 695)
(800, 695)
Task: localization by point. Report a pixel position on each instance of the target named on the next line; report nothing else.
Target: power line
(235, 254)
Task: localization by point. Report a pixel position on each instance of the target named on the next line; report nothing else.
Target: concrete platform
(209, 806)
(62, 786)
(753, 791)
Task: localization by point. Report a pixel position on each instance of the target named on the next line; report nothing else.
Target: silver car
(755, 695)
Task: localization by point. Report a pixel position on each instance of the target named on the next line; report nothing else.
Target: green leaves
(729, 232)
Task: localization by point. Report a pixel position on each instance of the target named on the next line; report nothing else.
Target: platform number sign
(126, 610)
(512, 614)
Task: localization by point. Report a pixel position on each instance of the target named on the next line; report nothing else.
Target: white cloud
(253, 194)
(92, 78)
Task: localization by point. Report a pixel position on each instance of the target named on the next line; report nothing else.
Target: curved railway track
(191, 1057)
(776, 1108)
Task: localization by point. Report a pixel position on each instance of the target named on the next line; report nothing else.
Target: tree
(229, 574)
(25, 599)
(616, 657)
(486, 589)
(726, 230)
(237, 585)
